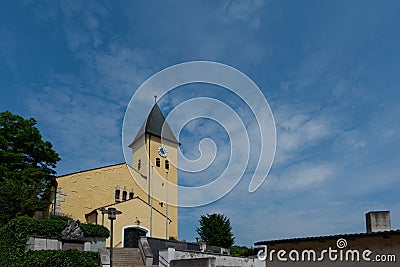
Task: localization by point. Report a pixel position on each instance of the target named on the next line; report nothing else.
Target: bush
(92, 230)
(61, 217)
(47, 227)
(13, 237)
(54, 227)
(15, 234)
(65, 258)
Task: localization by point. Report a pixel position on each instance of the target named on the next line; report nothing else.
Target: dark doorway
(131, 237)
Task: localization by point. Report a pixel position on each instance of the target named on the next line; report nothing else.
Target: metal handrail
(162, 258)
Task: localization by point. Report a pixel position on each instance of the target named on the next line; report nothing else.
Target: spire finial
(155, 95)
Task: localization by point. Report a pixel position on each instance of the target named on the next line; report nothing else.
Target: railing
(162, 261)
(145, 251)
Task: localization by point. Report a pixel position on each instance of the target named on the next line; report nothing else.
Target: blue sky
(329, 70)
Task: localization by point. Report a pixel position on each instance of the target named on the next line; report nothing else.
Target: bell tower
(154, 159)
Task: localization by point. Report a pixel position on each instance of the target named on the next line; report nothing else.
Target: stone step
(127, 257)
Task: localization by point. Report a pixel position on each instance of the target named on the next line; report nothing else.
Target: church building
(144, 192)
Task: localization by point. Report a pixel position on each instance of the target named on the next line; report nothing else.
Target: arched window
(124, 194)
(117, 193)
(167, 164)
(158, 162)
(131, 195)
(139, 164)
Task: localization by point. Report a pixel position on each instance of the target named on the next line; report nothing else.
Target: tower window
(130, 195)
(139, 164)
(167, 164)
(158, 162)
(117, 193)
(124, 194)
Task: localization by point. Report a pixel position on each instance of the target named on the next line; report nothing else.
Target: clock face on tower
(162, 151)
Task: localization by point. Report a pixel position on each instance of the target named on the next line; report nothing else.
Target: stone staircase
(127, 257)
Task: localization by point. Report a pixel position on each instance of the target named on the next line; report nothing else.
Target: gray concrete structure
(48, 243)
(378, 221)
(169, 255)
(202, 262)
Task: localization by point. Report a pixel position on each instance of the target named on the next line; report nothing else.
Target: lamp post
(166, 207)
(112, 215)
(151, 199)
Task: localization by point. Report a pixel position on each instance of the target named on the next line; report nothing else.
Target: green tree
(26, 167)
(243, 251)
(215, 229)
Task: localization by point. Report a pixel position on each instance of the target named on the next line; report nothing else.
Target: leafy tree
(26, 167)
(215, 229)
(243, 251)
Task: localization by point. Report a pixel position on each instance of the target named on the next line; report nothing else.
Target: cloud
(303, 176)
(82, 124)
(87, 102)
(244, 11)
(82, 21)
(352, 138)
(334, 100)
(120, 69)
(383, 124)
(299, 129)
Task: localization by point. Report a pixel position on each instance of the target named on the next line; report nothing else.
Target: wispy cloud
(300, 129)
(302, 176)
(79, 127)
(245, 11)
(332, 86)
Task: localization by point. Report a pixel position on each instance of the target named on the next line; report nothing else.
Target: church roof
(156, 125)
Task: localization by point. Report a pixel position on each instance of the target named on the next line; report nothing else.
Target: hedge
(15, 234)
(62, 258)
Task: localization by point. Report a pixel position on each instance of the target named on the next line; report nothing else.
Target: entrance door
(131, 237)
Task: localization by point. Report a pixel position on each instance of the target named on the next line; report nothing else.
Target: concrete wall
(378, 221)
(157, 244)
(43, 243)
(170, 254)
(202, 262)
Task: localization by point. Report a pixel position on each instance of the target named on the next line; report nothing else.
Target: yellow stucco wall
(145, 149)
(89, 190)
(81, 193)
(133, 211)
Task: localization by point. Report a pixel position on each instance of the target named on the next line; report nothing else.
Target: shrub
(65, 258)
(92, 230)
(13, 237)
(15, 234)
(61, 217)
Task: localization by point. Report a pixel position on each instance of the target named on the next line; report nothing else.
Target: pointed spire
(156, 125)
